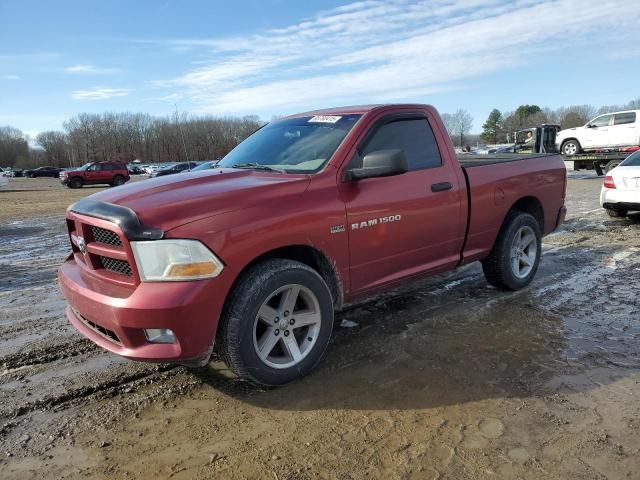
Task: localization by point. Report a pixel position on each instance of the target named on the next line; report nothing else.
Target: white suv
(618, 129)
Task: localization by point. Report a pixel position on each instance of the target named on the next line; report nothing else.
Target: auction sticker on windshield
(325, 118)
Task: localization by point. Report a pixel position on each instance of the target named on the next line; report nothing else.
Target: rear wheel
(570, 148)
(514, 259)
(76, 182)
(616, 212)
(277, 323)
(118, 180)
(611, 165)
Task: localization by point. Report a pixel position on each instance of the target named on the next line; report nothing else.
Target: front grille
(105, 332)
(102, 235)
(117, 266)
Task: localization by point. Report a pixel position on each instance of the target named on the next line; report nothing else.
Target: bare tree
(55, 145)
(14, 148)
(461, 121)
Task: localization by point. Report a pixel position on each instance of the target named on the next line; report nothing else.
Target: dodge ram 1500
(309, 213)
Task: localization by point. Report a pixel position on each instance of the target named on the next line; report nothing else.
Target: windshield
(295, 145)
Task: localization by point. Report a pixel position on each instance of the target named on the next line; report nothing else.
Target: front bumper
(115, 319)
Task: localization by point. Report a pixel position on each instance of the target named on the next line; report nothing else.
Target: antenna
(184, 143)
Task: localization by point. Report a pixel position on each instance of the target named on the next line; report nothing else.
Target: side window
(602, 121)
(622, 118)
(413, 136)
(94, 168)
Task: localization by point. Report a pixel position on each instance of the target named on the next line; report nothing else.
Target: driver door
(597, 132)
(93, 173)
(403, 225)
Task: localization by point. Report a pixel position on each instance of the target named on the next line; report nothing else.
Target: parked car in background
(4, 177)
(135, 169)
(620, 192)
(205, 165)
(611, 130)
(52, 172)
(110, 173)
(150, 169)
(175, 168)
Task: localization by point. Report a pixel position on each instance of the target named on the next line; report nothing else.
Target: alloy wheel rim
(287, 326)
(524, 250)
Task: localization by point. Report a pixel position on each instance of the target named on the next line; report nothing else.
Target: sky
(267, 58)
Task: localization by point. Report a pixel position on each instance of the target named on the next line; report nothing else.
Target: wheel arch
(530, 205)
(76, 177)
(308, 255)
(565, 140)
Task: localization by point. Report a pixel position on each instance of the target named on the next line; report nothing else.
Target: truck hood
(173, 200)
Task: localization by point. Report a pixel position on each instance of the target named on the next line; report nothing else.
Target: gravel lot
(445, 378)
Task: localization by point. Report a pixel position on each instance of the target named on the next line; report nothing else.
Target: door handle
(441, 187)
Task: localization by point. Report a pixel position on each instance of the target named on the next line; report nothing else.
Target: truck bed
(468, 161)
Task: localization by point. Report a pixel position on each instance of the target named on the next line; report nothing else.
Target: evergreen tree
(492, 130)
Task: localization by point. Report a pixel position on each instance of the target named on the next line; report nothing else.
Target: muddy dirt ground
(445, 378)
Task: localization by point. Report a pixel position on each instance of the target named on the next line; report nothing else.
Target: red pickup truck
(309, 213)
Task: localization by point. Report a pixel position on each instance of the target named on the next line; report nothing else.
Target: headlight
(175, 260)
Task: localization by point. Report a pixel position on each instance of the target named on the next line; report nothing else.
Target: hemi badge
(337, 229)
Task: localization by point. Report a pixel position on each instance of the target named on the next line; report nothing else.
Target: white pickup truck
(611, 130)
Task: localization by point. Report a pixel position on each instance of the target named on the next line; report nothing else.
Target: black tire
(118, 180)
(611, 165)
(32, 175)
(570, 148)
(239, 323)
(498, 267)
(616, 212)
(76, 182)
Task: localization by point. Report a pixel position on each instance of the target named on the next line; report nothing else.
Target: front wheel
(277, 323)
(515, 257)
(570, 148)
(76, 182)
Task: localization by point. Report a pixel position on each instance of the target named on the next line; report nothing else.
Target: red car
(110, 173)
(311, 212)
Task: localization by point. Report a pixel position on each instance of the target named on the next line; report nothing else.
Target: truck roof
(354, 109)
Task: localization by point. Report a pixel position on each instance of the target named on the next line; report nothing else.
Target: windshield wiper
(258, 166)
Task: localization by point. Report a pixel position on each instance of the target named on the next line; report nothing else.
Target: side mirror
(382, 163)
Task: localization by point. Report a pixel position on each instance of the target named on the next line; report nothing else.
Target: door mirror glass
(381, 163)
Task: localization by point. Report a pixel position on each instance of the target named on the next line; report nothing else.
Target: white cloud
(11, 77)
(99, 93)
(372, 50)
(90, 70)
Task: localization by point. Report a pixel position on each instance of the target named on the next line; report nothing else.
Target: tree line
(89, 137)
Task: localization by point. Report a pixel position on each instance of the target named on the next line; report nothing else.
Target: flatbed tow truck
(543, 140)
